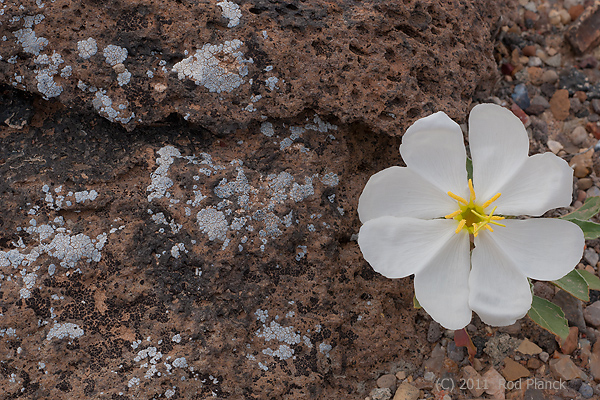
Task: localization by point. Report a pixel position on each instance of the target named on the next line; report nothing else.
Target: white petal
(434, 148)
(399, 247)
(544, 249)
(400, 192)
(499, 145)
(498, 292)
(543, 182)
(442, 286)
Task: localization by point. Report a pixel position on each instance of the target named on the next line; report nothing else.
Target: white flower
(419, 219)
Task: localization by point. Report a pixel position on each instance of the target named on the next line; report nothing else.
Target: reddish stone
(593, 128)
(529, 51)
(570, 343)
(519, 113)
(507, 68)
(560, 105)
(580, 95)
(585, 32)
(576, 11)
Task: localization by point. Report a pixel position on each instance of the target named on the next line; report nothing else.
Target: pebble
(495, 384)
(549, 76)
(534, 394)
(554, 17)
(436, 360)
(554, 61)
(534, 363)
(536, 109)
(429, 376)
(575, 384)
(401, 375)
(544, 356)
(535, 62)
(594, 362)
(476, 384)
(434, 333)
(527, 347)
(513, 370)
(560, 105)
(406, 391)
(571, 307)
(575, 11)
(554, 146)
(574, 80)
(381, 394)
(592, 314)
(593, 191)
(596, 105)
(569, 345)
(585, 184)
(387, 381)
(564, 368)
(540, 101)
(578, 135)
(544, 290)
(576, 106)
(529, 50)
(520, 96)
(591, 256)
(565, 17)
(513, 329)
(456, 354)
(586, 391)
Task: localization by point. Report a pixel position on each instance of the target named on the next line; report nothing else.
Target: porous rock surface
(223, 65)
(213, 257)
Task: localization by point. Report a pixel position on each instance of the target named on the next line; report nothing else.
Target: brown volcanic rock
(169, 262)
(381, 63)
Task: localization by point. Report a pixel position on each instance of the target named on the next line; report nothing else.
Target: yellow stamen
(472, 216)
(457, 198)
(461, 224)
(471, 190)
(454, 214)
(490, 201)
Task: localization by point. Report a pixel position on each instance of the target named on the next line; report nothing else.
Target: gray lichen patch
(232, 203)
(87, 48)
(31, 43)
(231, 11)
(65, 330)
(213, 223)
(219, 68)
(114, 54)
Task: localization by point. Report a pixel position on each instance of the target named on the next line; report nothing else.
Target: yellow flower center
(471, 216)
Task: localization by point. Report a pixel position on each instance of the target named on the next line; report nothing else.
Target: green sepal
(549, 316)
(574, 284)
(590, 207)
(416, 303)
(469, 168)
(592, 280)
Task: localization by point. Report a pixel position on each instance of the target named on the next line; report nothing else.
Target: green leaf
(590, 207)
(549, 316)
(592, 280)
(469, 168)
(416, 302)
(591, 230)
(574, 284)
